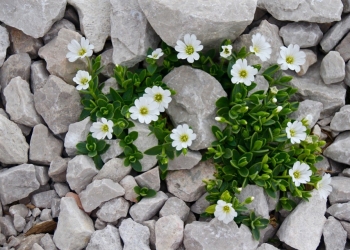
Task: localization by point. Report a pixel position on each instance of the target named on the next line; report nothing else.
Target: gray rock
(128, 183)
(203, 235)
(339, 150)
(147, 207)
(43, 199)
(261, 84)
(44, 147)
(58, 169)
(36, 212)
(38, 75)
(56, 27)
(175, 206)
(17, 183)
(19, 222)
(212, 22)
(36, 246)
(54, 53)
(267, 233)
(335, 34)
(113, 151)
(346, 172)
(72, 15)
(7, 227)
(4, 44)
(114, 169)
(143, 142)
(340, 121)
(346, 4)
(81, 169)
(77, 132)
(99, 224)
(98, 192)
(74, 227)
(200, 205)
(266, 246)
(310, 59)
(302, 229)
(334, 234)
(46, 214)
(15, 65)
(194, 103)
(61, 189)
(149, 179)
(332, 68)
(343, 48)
(42, 14)
(55, 207)
(47, 243)
(22, 43)
(259, 204)
(341, 190)
(113, 210)
(151, 224)
(169, 232)
(308, 107)
(42, 175)
(300, 10)
(130, 48)
(187, 161)
(3, 241)
(105, 239)
(13, 145)
(109, 83)
(346, 226)
(347, 74)
(341, 211)
(28, 241)
(134, 235)
(19, 209)
(304, 34)
(93, 21)
(108, 66)
(187, 184)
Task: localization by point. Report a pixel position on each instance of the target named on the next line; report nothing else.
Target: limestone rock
(259, 204)
(114, 169)
(194, 103)
(38, 75)
(58, 169)
(339, 150)
(58, 103)
(17, 183)
(128, 183)
(22, 43)
(13, 145)
(343, 48)
(332, 68)
(134, 235)
(56, 27)
(175, 206)
(187, 161)
(169, 232)
(308, 107)
(310, 59)
(19, 222)
(341, 120)
(7, 227)
(77, 132)
(341, 190)
(43, 199)
(109, 65)
(151, 224)
(149, 179)
(47, 243)
(266, 246)
(200, 205)
(61, 189)
(105, 239)
(4, 44)
(19, 209)
(346, 226)
(113, 210)
(113, 151)
(42, 175)
(341, 211)
(74, 227)
(334, 234)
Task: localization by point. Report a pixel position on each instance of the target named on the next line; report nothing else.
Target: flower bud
(220, 119)
(274, 90)
(278, 109)
(274, 100)
(249, 200)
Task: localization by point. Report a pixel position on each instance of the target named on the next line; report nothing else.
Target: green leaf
(137, 189)
(154, 150)
(151, 68)
(92, 154)
(271, 70)
(222, 102)
(210, 209)
(285, 79)
(81, 147)
(151, 193)
(227, 169)
(133, 135)
(136, 166)
(244, 172)
(227, 153)
(256, 234)
(98, 161)
(225, 196)
(100, 145)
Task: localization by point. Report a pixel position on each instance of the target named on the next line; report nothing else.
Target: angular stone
(340, 121)
(143, 142)
(42, 175)
(334, 234)
(188, 184)
(81, 169)
(36, 212)
(267, 233)
(105, 239)
(42, 14)
(36, 246)
(38, 75)
(343, 48)
(77, 132)
(108, 64)
(7, 227)
(130, 48)
(304, 34)
(44, 147)
(339, 150)
(341, 190)
(310, 59)
(203, 235)
(212, 22)
(61, 189)
(4, 44)
(56, 27)
(332, 68)
(347, 74)
(134, 235)
(113, 210)
(341, 211)
(175, 206)
(147, 207)
(114, 169)
(304, 10)
(261, 84)
(151, 224)
(259, 204)
(19, 209)
(19, 222)
(43, 199)
(98, 192)
(194, 103)
(28, 241)
(335, 34)
(46, 214)
(17, 183)
(22, 43)
(58, 103)
(187, 161)
(93, 21)
(128, 183)
(302, 229)
(109, 83)
(200, 205)
(13, 145)
(47, 243)
(149, 179)
(55, 207)
(113, 151)
(346, 226)
(308, 107)
(54, 53)
(169, 232)
(74, 227)
(99, 224)
(58, 169)
(266, 246)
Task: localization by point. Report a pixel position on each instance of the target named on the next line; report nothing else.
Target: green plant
(144, 192)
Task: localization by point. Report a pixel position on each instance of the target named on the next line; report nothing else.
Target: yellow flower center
(84, 81)
(292, 132)
(289, 59)
(226, 51)
(158, 97)
(184, 138)
(155, 56)
(243, 73)
(82, 52)
(144, 111)
(105, 128)
(256, 49)
(189, 50)
(226, 209)
(296, 174)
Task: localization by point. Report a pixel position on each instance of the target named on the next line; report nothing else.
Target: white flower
(77, 50)
(182, 137)
(274, 90)
(296, 132)
(306, 120)
(102, 129)
(226, 51)
(224, 211)
(160, 96)
(324, 186)
(82, 78)
(156, 54)
(188, 49)
(241, 72)
(274, 100)
(309, 139)
(260, 47)
(291, 57)
(145, 110)
(300, 173)
(278, 109)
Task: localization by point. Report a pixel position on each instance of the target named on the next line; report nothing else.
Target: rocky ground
(43, 181)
